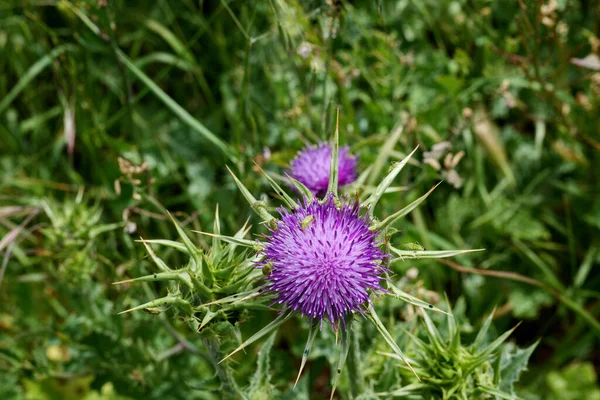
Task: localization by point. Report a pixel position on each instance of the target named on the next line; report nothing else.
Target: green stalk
(229, 388)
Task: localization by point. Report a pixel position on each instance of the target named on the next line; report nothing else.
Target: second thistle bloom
(323, 259)
(312, 166)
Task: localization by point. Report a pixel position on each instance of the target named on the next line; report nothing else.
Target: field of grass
(118, 123)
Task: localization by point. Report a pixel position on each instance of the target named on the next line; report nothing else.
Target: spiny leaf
(402, 295)
(512, 364)
(258, 206)
(276, 323)
(312, 334)
(159, 263)
(236, 298)
(303, 190)
(495, 392)
(428, 253)
(260, 382)
(170, 243)
(195, 253)
(403, 212)
(167, 300)
(344, 347)
(434, 334)
(230, 239)
(181, 276)
(485, 353)
(412, 389)
(372, 201)
(291, 203)
(332, 186)
(372, 315)
(481, 335)
(216, 243)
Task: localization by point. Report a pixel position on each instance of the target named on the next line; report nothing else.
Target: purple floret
(323, 260)
(312, 165)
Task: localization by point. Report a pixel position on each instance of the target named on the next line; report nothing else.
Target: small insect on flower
(312, 167)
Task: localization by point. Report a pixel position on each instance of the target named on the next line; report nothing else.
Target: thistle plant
(71, 237)
(451, 370)
(323, 258)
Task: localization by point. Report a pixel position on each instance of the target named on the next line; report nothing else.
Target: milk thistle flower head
(312, 166)
(323, 259)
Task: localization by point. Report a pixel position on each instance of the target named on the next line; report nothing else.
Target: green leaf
(260, 385)
(372, 315)
(513, 362)
(195, 253)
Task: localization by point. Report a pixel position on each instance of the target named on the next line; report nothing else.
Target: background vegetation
(113, 111)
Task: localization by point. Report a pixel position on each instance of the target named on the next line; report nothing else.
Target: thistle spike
(334, 165)
(180, 276)
(388, 338)
(372, 201)
(194, 252)
(402, 295)
(303, 190)
(428, 253)
(230, 239)
(404, 211)
(268, 328)
(169, 243)
(258, 206)
(344, 348)
(160, 302)
(291, 203)
(312, 334)
(159, 263)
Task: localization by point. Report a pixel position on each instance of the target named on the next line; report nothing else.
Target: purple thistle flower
(312, 165)
(323, 259)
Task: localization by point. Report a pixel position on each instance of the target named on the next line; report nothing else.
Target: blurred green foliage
(112, 111)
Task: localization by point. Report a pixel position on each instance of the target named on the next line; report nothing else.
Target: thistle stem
(229, 388)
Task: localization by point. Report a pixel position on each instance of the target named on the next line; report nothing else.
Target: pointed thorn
(121, 282)
(230, 354)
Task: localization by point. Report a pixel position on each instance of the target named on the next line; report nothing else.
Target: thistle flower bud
(312, 167)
